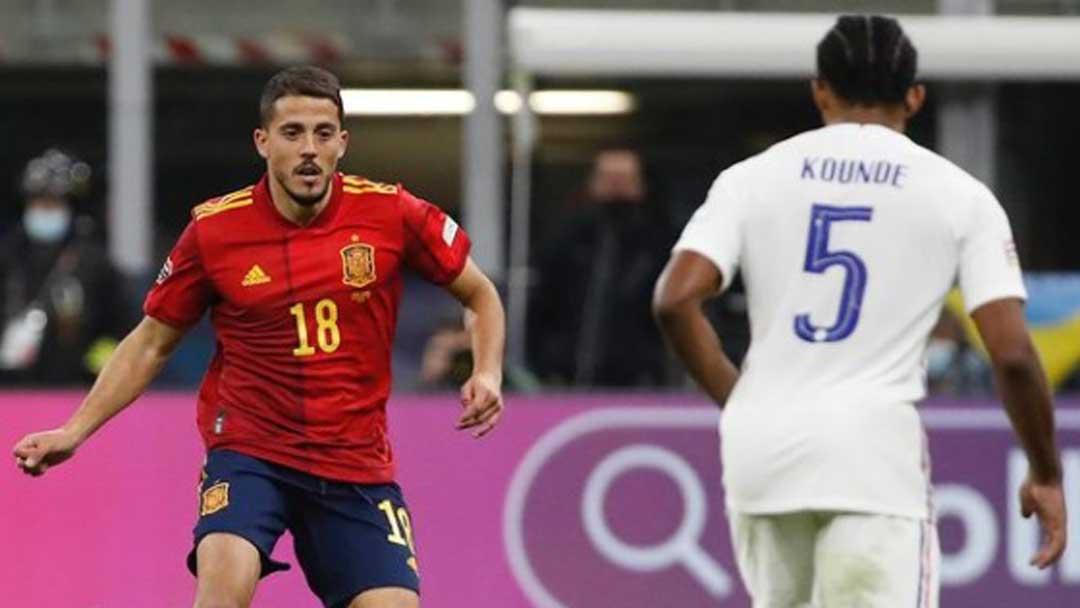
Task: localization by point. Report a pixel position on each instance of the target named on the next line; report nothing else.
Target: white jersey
(849, 238)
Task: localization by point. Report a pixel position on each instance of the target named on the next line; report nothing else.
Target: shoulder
(370, 198)
(797, 145)
(219, 220)
(959, 195)
(388, 204)
(395, 197)
(734, 181)
(222, 206)
(948, 174)
(792, 150)
(768, 159)
(761, 173)
(361, 189)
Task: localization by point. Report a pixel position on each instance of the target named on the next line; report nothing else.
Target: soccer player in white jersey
(848, 238)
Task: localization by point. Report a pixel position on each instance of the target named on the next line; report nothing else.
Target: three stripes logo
(255, 276)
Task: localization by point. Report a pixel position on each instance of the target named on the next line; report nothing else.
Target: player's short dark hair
(309, 81)
(867, 59)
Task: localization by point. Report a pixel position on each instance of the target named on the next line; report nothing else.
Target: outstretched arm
(481, 395)
(1020, 380)
(137, 360)
(688, 280)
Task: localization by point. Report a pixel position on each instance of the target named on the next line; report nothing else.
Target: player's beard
(306, 200)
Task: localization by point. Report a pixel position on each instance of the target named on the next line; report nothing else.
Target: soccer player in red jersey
(301, 274)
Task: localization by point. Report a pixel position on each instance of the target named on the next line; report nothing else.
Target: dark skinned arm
(688, 280)
(1021, 382)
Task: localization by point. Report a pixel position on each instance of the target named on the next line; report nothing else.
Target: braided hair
(867, 59)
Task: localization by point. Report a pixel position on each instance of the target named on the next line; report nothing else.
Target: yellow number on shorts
(406, 525)
(326, 331)
(399, 521)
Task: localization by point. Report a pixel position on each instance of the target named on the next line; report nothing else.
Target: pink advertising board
(575, 501)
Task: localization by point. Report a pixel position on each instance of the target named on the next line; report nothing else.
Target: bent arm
(687, 281)
(1019, 376)
(137, 360)
(484, 318)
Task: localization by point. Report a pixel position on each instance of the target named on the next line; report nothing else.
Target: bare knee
(216, 595)
(386, 597)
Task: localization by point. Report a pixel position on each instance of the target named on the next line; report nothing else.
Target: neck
(893, 118)
(301, 215)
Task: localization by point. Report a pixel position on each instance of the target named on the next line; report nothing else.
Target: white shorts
(830, 559)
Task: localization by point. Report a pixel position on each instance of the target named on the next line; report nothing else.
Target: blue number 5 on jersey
(819, 259)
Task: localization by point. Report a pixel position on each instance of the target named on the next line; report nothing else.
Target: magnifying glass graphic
(682, 547)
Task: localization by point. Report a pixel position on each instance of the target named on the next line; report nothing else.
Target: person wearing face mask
(60, 297)
(590, 322)
(953, 367)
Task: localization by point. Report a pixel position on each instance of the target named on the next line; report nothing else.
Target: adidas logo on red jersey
(255, 276)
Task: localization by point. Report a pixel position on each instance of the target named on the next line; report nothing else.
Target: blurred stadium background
(159, 99)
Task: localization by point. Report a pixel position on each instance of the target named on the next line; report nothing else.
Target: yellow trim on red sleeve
(221, 203)
(206, 210)
(353, 184)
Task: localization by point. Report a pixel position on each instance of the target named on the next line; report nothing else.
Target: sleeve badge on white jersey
(1011, 256)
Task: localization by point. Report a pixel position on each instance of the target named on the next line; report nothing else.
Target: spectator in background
(447, 361)
(447, 357)
(589, 321)
(953, 367)
(60, 296)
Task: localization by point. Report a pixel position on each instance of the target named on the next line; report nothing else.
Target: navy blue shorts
(348, 537)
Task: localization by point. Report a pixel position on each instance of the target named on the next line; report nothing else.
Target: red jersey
(304, 318)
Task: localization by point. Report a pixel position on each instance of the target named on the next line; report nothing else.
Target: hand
(37, 452)
(481, 397)
(1047, 502)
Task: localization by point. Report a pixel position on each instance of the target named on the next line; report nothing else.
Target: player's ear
(822, 95)
(260, 137)
(914, 99)
(344, 144)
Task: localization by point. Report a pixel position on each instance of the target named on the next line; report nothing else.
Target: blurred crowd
(595, 262)
(590, 320)
(64, 304)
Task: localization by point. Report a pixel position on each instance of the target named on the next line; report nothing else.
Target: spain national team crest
(214, 498)
(358, 264)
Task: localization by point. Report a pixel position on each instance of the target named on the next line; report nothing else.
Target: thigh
(867, 561)
(242, 497)
(775, 555)
(229, 568)
(351, 539)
